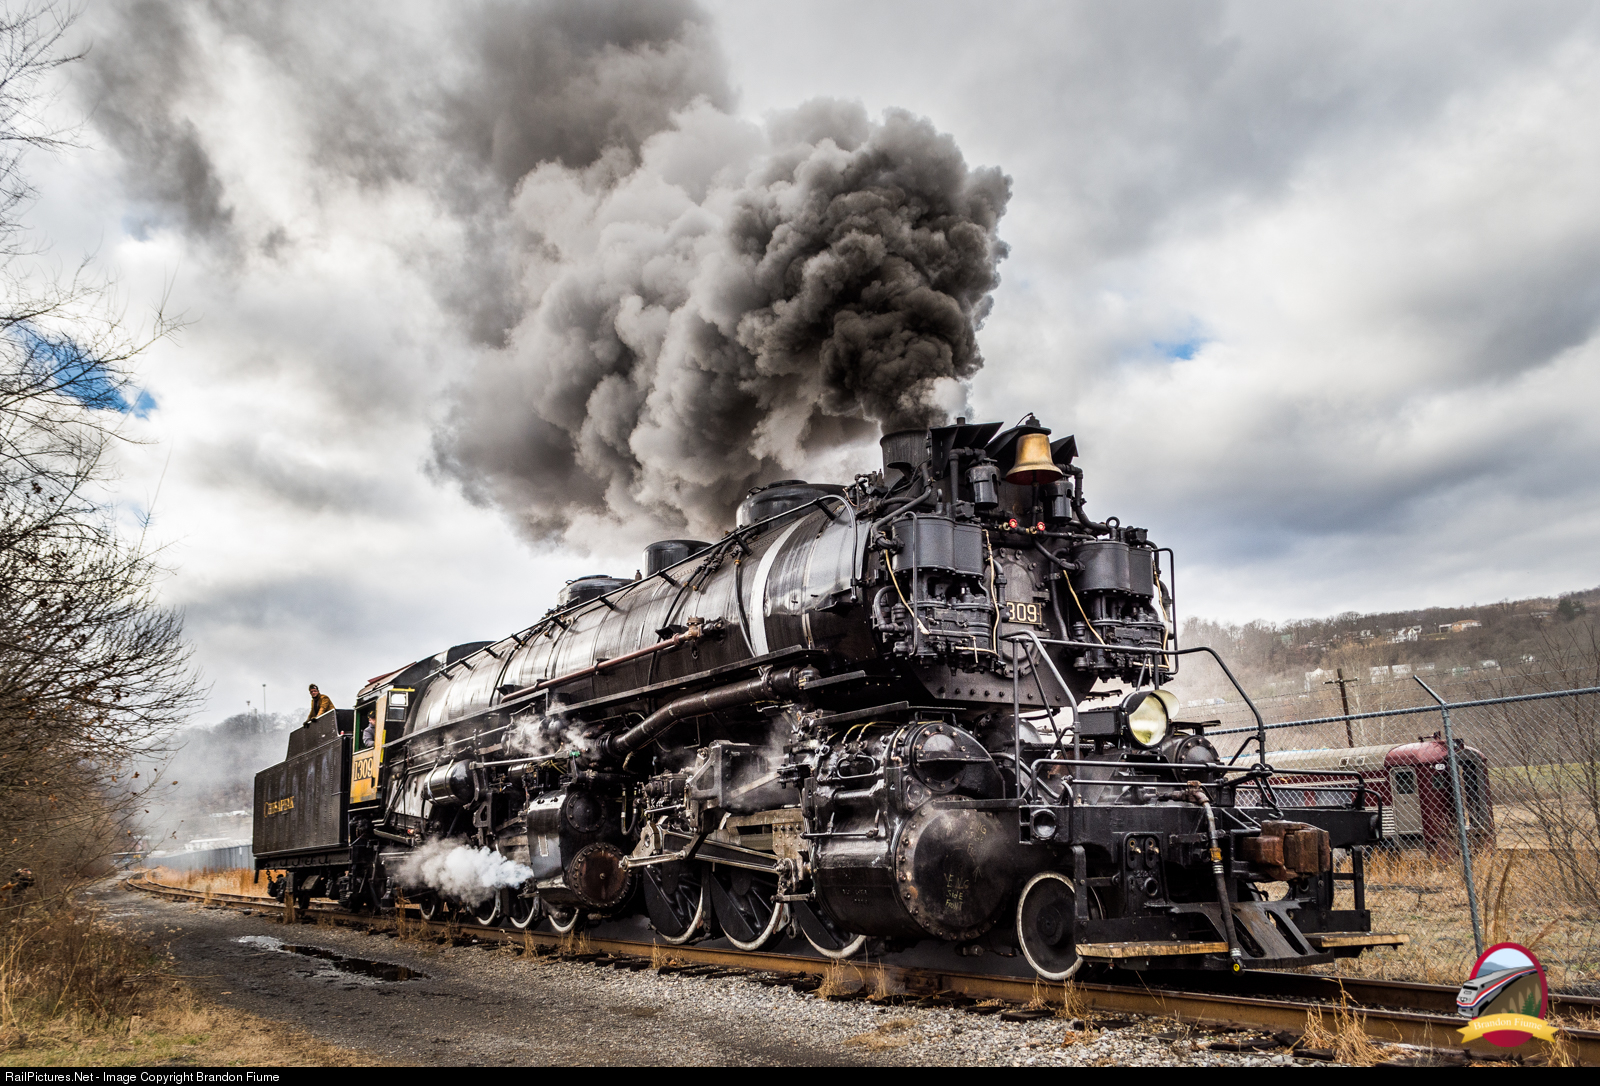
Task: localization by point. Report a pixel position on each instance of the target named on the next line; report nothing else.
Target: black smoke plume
(738, 306)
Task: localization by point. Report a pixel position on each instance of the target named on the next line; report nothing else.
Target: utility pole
(1344, 699)
(263, 697)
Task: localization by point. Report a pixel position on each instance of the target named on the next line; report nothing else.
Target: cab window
(1405, 782)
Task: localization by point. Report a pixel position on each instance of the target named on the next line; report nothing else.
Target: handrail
(1541, 696)
(1261, 727)
(1016, 698)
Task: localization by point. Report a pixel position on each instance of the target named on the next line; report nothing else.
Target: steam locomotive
(929, 705)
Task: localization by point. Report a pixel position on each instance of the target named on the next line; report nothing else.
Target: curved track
(1399, 1011)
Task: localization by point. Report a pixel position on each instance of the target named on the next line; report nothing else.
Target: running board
(1116, 951)
(1328, 940)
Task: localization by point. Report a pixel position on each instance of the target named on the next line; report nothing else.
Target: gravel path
(487, 1004)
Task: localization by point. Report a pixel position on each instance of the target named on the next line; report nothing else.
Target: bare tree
(93, 672)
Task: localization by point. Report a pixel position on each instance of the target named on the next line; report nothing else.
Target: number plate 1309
(1030, 613)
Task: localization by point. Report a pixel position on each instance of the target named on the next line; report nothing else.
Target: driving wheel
(826, 937)
(523, 910)
(746, 906)
(678, 900)
(487, 912)
(564, 918)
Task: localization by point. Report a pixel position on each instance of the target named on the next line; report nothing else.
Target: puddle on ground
(338, 966)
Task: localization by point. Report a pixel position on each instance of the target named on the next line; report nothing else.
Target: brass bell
(1034, 462)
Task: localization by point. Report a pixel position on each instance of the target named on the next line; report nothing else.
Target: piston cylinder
(944, 874)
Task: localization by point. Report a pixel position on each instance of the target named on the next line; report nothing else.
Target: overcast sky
(1316, 286)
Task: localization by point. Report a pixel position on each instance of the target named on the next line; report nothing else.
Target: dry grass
(1562, 1053)
(837, 980)
(75, 991)
(56, 963)
(408, 928)
(171, 1025)
(1083, 1036)
(576, 942)
(235, 880)
(1317, 1034)
(1074, 1003)
(1350, 1041)
(1345, 1036)
(1425, 897)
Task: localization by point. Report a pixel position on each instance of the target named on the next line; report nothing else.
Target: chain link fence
(1527, 773)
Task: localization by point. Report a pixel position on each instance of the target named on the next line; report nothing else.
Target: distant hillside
(1545, 642)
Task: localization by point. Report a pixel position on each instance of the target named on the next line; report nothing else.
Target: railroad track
(1271, 1002)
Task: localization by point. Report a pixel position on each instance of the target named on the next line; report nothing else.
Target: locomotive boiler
(928, 705)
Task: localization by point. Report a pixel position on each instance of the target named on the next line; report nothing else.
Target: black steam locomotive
(929, 705)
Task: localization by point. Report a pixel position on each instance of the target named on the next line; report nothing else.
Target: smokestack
(903, 452)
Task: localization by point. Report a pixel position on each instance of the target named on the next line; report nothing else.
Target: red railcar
(1409, 782)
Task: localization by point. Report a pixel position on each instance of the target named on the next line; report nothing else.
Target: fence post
(1461, 814)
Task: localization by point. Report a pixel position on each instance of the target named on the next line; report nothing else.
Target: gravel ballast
(493, 1004)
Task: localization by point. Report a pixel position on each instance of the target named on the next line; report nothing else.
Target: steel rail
(1205, 999)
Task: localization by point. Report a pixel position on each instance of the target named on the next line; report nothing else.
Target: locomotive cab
(383, 713)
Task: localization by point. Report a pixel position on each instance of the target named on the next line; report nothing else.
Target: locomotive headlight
(1149, 716)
